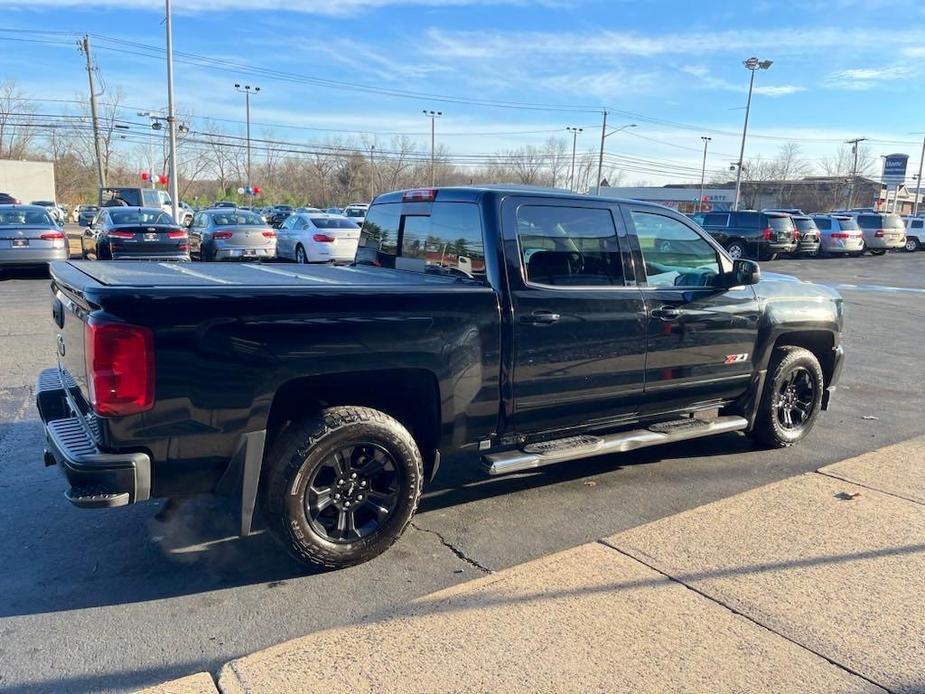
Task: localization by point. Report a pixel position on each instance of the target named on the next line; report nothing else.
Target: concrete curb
(808, 584)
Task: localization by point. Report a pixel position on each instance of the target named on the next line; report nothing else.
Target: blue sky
(842, 69)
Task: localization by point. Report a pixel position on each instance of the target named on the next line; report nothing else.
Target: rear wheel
(912, 244)
(877, 251)
(342, 486)
(736, 249)
(791, 400)
(300, 256)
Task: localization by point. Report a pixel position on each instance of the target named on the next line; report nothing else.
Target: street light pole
(574, 132)
(854, 168)
(918, 183)
(372, 171)
(247, 90)
(433, 115)
(753, 65)
(703, 172)
(604, 136)
(171, 121)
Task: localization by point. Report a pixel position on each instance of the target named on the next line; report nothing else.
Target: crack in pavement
(455, 550)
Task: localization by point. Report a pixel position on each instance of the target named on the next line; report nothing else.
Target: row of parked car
(767, 234)
(219, 233)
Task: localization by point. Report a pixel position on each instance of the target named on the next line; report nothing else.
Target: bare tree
(17, 122)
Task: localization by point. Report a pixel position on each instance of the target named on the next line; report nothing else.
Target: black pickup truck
(522, 327)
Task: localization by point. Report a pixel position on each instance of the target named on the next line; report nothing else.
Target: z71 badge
(735, 358)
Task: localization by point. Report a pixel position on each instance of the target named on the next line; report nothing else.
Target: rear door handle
(540, 318)
(665, 313)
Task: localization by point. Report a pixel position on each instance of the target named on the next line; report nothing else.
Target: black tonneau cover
(121, 273)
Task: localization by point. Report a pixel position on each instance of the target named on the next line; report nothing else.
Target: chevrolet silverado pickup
(513, 328)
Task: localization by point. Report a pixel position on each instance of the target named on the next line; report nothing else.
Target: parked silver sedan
(231, 234)
(29, 236)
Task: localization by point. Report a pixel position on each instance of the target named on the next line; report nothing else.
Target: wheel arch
(820, 342)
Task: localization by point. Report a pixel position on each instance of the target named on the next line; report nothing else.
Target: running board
(586, 446)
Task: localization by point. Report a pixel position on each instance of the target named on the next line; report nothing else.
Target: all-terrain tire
(303, 448)
(769, 429)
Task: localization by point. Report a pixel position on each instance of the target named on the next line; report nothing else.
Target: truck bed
(137, 274)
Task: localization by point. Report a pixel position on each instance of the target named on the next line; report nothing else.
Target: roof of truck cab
(475, 193)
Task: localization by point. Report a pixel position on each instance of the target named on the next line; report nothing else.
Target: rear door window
(848, 224)
(806, 225)
(569, 246)
(715, 219)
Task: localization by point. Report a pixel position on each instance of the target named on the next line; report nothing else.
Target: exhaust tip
(49, 458)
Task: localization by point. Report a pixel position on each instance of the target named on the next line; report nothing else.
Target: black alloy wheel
(352, 493)
(791, 399)
(795, 398)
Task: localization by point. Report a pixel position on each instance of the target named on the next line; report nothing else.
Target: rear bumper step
(587, 446)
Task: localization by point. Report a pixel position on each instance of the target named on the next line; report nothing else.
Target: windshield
(333, 223)
(129, 197)
(20, 217)
(806, 225)
(237, 218)
(44, 203)
(140, 217)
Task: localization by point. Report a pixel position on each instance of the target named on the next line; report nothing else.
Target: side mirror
(744, 272)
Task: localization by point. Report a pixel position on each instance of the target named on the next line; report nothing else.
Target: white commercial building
(27, 180)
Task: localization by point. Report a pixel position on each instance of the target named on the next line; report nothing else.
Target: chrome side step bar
(586, 446)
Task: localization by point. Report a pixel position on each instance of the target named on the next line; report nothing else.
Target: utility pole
(433, 115)
(753, 65)
(918, 182)
(172, 182)
(703, 172)
(600, 159)
(100, 170)
(247, 90)
(854, 169)
(574, 132)
(372, 171)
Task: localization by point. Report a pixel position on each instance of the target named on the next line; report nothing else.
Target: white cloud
(779, 90)
(867, 78)
(316, 7)
(706, 79)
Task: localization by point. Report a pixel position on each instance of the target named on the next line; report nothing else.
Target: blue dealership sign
(894, 169)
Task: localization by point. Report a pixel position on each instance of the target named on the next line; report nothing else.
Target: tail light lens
(120, 367)
(767, 234)
(176, 234)
(269, 234)
(796, 234)
(419, 195)
(120, 234)
(221, 235)
(841, 236)
(323, 238)
(878, 234)
(52, 236)
(183, 247)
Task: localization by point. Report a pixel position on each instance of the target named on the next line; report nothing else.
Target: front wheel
(300, 256)
(342, 486)
(877, 251)
(791, 400)
(912, 244)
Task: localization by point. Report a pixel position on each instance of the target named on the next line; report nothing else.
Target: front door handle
(540, 318)
(666, 313)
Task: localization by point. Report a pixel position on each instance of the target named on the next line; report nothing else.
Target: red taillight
(269, 234)
(796, 234)
(183, 247)
(323, 238)
(841, 236)
(419, 195)
(221, 235)
(176, 234)
(119, 234)
(120, 367)
(878, 234)
(767, 233)
(52, 236)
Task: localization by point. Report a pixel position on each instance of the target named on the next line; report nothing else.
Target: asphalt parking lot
(117, 599)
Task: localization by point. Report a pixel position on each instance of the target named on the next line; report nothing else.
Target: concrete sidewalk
(810, 584)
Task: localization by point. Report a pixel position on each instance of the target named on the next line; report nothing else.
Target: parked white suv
(915, 233)
(356, 212)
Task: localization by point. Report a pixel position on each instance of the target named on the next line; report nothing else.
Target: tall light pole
(753, 65)
(247, 90)
(854, 168)
(372, 171)
(171, 122)
(433, 115)
(703, 171)
(604, 136)
(150, 117)
(918, 182)
(574, 131)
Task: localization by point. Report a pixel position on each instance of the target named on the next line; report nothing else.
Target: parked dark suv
(759, 235)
